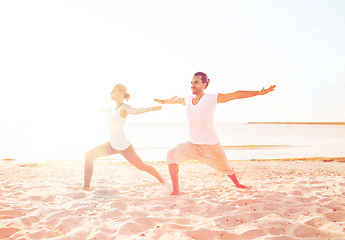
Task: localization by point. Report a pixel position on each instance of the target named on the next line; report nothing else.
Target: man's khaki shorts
(212, 155)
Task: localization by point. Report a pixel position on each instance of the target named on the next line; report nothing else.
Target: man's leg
(235, 181)
(214, 156)
(175, 156)
(173, 170)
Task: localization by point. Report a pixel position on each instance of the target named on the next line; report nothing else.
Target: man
(204, 144)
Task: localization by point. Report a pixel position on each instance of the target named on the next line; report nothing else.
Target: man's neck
(197, 98)
(199, 95)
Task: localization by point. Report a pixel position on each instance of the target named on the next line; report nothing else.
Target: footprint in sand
(247, 202)
(336, 216)
(119, 205)
(78, 195)
(50, 198)
(59, 214)
(84, 210)
(113, 214)
(28, 221)
(36, 198)
(130, 228)
(253, 234)
(12, 213)
(305, 231)
(205, 234)
(317, 221)
(231, 221)
(7, 232)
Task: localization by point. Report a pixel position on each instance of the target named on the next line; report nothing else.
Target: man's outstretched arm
(222, 98)
(172, 100)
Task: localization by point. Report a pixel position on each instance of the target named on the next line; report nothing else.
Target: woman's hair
(204, 78)
(123, 89)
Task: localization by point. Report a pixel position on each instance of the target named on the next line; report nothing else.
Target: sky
(60, 59)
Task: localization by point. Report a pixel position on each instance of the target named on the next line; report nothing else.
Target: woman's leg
(102, 150)
(132, 157)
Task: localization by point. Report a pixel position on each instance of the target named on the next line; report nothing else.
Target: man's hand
(264, 91)
(161, 101)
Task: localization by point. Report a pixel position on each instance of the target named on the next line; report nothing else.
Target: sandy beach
(300, 199)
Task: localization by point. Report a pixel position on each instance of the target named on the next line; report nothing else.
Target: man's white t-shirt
(200, 118)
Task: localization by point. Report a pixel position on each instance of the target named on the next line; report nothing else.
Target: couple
(203, 145)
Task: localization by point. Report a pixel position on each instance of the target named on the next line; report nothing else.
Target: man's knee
(178, 154)
(171, 156)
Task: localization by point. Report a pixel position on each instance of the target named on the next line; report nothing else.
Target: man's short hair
(204, 78)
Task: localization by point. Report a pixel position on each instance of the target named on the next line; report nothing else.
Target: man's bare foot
(242, 186)
(86, 189)
(176, 193)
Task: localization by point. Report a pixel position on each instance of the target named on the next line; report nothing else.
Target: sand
(288, 200)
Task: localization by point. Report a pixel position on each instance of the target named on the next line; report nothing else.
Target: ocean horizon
(241, 141)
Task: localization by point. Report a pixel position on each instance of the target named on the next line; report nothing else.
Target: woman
(118, 141)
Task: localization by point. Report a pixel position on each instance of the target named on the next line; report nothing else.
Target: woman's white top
(118, 140)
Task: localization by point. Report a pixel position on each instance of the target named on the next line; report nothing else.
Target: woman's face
(116, 94)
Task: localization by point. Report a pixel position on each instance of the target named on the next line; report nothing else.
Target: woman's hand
(155, 108)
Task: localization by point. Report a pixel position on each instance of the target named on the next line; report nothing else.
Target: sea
(241, 141)
(244, 141)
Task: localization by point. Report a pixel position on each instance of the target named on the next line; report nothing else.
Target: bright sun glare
(61, 59)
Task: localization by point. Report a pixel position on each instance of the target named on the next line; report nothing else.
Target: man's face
(197, 86)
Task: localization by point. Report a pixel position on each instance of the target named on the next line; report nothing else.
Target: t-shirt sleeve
(213, 98)
(187, 99)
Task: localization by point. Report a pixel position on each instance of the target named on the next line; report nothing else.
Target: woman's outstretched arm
(172, 100)
(130, 110)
